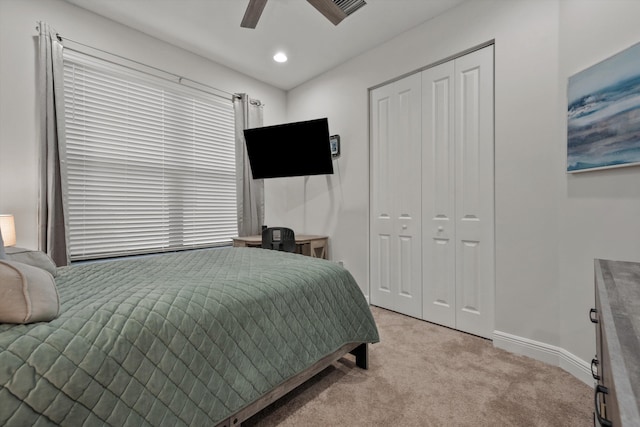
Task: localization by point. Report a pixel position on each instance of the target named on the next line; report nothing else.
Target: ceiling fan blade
(330, 10)
(252, 14)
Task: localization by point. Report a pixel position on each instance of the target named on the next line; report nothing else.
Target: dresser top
(618, 287)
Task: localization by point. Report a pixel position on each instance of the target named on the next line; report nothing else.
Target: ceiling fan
(334, 10)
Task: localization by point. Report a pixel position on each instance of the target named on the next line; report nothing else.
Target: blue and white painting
(604, 114)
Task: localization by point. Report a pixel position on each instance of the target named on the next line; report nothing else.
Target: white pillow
(30, 257)
(27, 294)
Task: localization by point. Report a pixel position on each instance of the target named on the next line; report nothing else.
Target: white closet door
(458, 193)
(474, 152)
(438, 195)
(396, 255)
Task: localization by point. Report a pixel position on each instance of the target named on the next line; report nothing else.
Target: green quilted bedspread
(176, 339)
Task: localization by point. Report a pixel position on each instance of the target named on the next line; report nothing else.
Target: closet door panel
(408, 151)
(438, 202)
(383, 268)
(470, 290)
(474, 192)
(381, 272)
(407, 173)
(396, 209)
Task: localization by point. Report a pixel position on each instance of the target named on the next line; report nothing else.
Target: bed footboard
(359, 350)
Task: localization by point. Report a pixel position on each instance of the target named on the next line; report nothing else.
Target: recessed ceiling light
(280, 57)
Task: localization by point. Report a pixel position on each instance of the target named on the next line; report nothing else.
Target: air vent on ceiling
(334, 10)
(349, 6)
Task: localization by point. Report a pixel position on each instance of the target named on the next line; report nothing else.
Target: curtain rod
(180, 79)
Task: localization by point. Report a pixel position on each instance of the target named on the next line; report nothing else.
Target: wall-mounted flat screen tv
(291, 149)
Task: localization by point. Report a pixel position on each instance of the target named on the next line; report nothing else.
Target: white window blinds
(150, 163)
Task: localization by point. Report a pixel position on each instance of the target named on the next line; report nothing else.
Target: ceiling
(211, 28)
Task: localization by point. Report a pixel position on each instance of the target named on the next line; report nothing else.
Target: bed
(204, 337)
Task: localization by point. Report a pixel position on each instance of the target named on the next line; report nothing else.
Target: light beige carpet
(421, 374)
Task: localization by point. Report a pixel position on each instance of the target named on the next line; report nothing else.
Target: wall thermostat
(334, 141)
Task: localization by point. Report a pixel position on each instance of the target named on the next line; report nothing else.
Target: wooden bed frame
(359, 350)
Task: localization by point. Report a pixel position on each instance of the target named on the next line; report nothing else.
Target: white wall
(19, 114)
(599, 211)
(526, 39)
(549, 225)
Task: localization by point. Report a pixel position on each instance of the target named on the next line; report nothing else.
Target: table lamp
(8, 229)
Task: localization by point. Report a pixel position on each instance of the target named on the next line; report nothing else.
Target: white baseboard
(547, 353)
(576, 367)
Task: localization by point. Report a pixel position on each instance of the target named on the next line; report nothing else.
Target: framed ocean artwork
(603, 115)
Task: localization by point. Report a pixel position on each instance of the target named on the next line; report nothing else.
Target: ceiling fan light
(280, 57)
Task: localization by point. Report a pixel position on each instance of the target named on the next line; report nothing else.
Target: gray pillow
(2, 254)
(34, 258)
(27, 294)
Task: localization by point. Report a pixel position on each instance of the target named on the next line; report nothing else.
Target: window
(150, 163)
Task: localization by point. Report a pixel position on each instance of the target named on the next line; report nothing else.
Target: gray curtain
(250, 192)
(52, 218)
(2, 253)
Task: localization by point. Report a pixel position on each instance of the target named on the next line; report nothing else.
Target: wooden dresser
(617, 363)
